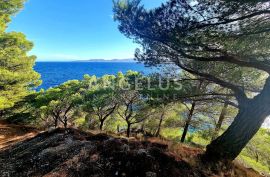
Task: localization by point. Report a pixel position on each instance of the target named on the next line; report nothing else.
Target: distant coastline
(54, 73)
(104, 60)
(95, 61)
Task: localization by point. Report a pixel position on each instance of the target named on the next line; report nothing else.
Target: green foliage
(115, 101)
(172, 133)
(17, 76)
(225, 43)
(133, 108)
(99, 99)
(256, 154)
(172, 33)
(58, 103)
(8, 8)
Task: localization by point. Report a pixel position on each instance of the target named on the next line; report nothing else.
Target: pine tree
(230, 37)
(17, 77)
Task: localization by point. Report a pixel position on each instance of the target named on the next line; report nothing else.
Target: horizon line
(90, 60)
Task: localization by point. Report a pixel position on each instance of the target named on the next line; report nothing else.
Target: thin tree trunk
(65, 122)
(142, 127)
(1, 114)
(257, 157)
(159, 125)
(188, 122)
(118, 128)
(250, 118)
(103, 118)
(101, 125)
(220, 120)
(128, 129)
(55, 122)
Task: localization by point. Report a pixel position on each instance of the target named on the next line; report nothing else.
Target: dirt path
(11, 134)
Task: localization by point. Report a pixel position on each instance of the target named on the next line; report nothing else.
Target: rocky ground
(72, 153)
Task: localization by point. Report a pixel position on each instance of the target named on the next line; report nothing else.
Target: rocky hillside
(72, 153)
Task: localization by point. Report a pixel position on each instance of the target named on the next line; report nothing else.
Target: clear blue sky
(74, 29)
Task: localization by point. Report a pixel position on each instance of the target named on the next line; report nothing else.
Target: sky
(64, 30)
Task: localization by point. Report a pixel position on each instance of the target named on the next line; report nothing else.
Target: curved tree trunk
(188, 122)
(251, 116)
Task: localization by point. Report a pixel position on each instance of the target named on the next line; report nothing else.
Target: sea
(56, 73)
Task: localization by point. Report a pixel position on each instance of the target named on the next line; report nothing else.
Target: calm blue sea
(55, 73)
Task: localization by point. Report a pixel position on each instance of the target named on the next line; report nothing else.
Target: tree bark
(101, 124)
(159, 125)
(220, 120)
(102, 119)
(251, 116)
(128, 129)
(188, 122)
(1, 114)
(55, 122)
(118, 128)
(65, 122)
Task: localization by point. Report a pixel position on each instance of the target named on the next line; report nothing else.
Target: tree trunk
(220, 120)
(128, 129)
(251, 116)
(118, 129)
(65, 123)
(188, 122)
(257, 157)
(55, 122)
(159, 125)
(101, 124)
(1, 114)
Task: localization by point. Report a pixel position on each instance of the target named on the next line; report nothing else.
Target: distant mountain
(111, 60)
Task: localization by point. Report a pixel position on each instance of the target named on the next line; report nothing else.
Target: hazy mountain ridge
(110, 60)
